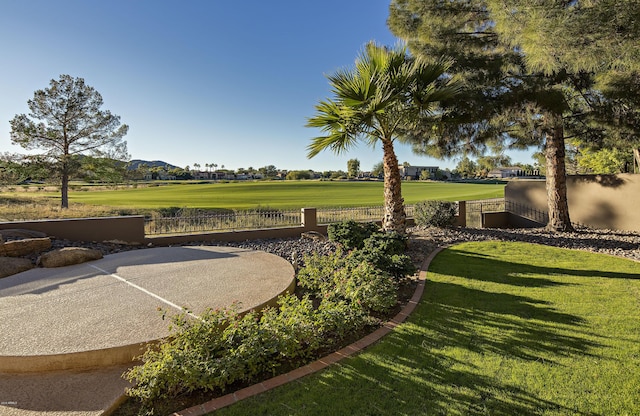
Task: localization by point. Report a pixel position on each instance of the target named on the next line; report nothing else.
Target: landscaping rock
(68, 256)
(618, 243)
(13, 265)
(12, 233)
(314, 235)
(24, 247)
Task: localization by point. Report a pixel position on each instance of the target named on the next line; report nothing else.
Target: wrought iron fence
(527, 211)
(332, 215)
(195, 221)
(199, 222)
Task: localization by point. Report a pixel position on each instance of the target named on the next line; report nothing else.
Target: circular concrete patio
(106, 312)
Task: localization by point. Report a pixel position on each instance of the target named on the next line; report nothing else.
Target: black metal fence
(189, 221)
(199, 221)
(527, 212)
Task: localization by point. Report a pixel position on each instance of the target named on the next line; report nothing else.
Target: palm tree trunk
(394, 216)
(557, 180)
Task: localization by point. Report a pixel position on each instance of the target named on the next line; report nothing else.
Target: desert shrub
(386, 252)
(222, 347)
(339, 278)
(435, 213)
(318, 270)
(351, 234)
(185, 361)
(168, 212)
(366, 286)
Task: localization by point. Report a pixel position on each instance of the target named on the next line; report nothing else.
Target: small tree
(66, 121)
(466, 168)
(353, 168)
(377, 170)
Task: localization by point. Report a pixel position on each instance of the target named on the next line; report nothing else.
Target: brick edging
(356, 347)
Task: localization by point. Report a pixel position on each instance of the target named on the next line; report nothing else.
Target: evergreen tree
(65, 122)
(527, 79)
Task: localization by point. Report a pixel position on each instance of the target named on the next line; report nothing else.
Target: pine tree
(531, 76)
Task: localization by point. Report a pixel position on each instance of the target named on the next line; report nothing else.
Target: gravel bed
(291, 249)
(618, 243)
(424, 241)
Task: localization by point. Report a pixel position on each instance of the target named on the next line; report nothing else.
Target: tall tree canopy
(385, 93)
(66, 121)
(531, 77)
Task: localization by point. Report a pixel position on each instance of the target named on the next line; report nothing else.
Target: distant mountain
(135, 163)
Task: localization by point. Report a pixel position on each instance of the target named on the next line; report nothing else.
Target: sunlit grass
(503, 329)
(275, 194)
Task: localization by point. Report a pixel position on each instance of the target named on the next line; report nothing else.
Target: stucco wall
(598, 201)
(122, 229)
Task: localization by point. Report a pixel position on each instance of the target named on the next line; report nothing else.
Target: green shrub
(389, 243)
(351, 234)
(386, 252)
(222, 347)
(350, 279)
(187, 360)
(435, 213)
(317, 272)
(338, 318)
(366, 286)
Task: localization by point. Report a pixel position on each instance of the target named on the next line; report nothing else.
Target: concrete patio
(69, 333)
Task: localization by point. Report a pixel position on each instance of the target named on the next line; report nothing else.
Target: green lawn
(503, 329)
(284, 194)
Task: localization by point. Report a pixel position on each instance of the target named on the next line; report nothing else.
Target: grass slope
(286, 194)
(503, 329)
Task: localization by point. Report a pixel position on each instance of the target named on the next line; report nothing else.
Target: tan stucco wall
(128, 229)
(598, 201)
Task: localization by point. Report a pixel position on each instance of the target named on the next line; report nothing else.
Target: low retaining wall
(127, 230)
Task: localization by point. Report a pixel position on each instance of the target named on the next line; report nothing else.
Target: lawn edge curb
(321, 363)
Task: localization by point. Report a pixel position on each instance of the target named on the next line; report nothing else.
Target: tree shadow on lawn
(434, 364)
(469, 352)
(476, 266)
(464, 351)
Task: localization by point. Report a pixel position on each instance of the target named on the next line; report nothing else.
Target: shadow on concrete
(39, 281)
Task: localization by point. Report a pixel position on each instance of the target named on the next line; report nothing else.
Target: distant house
(208, 175)
(415, 172)
(508, 172)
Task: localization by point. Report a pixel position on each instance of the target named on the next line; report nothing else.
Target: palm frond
(338, 142)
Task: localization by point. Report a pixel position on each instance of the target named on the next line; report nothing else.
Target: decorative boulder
(24, 247)
(13, 265)
(21, 233)
(68, 256)
(313, 235)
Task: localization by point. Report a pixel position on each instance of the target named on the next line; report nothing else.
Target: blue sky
(198, 81)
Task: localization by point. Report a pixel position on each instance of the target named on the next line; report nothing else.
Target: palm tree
(386, 93)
